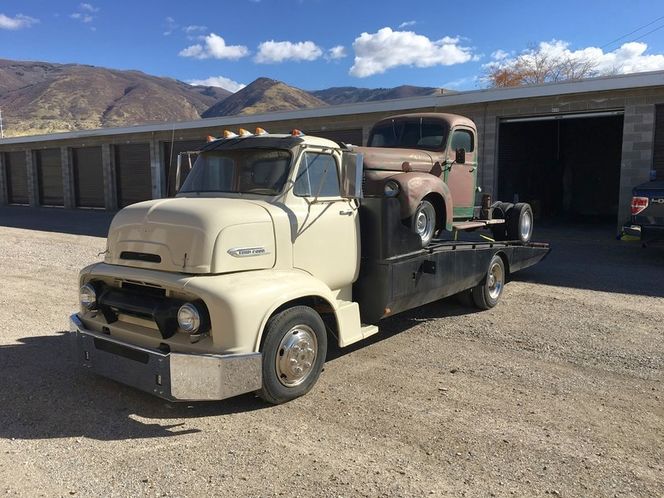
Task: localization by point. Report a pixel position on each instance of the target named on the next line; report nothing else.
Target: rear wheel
(423, 222)
(293, 351)
(487, 293)
(501, 210)
(520, 222)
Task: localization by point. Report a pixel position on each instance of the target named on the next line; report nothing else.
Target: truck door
(462, 178)
(326, 240)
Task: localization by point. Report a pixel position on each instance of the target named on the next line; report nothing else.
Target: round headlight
(189, 318)
(88, 297)
(391, 188)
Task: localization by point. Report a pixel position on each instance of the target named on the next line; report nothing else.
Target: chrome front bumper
(173, 376)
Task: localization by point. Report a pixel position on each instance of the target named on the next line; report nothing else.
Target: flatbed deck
(396, 274)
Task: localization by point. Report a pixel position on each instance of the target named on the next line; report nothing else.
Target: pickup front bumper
(173, 376)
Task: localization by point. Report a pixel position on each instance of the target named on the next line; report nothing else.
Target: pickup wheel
(423, 222)
(520, 222)
(294, 349)
(501, 209)
(486, 294)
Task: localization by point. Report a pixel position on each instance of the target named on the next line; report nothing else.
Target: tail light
(639, 204)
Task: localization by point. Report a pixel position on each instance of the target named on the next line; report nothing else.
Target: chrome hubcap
(425, 222)
(526, 226)
(296, 355)
(495, 280)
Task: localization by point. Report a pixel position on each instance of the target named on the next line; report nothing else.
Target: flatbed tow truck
(269, 251)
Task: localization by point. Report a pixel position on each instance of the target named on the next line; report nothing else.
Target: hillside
(351, 94)
(39, 97)
(264, 95)
(42, 97)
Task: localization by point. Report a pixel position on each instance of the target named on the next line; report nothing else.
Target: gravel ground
(555, 392)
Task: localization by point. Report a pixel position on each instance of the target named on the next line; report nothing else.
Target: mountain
(351, 94)
(40, 97)
(264, 95)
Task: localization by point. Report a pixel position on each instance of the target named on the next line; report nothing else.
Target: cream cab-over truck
(267, 253)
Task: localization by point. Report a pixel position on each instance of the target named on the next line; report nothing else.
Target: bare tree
(536, 66)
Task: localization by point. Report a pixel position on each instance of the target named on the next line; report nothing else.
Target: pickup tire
(501, 209)
(424, 221)
(487, 293)
(520, 222)
(294, 349)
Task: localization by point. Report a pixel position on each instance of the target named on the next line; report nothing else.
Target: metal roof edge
(605, 83)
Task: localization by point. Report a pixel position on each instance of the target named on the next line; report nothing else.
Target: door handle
(346, 212)
(472, 169)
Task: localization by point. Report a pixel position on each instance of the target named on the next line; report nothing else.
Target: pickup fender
(241, 303)
(415, 186)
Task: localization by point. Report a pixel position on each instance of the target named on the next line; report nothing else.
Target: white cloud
(377, 52)
(194, 29)
(84, 13)
(214, 47)
(499, 55)
(169, 26)
(17, 22)
(407, 24)
(219, 81)
(628, 58)
(270, 52)
(88, 7)
(86, 18)
(338, 52)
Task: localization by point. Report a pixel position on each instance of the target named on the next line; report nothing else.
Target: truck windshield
(419, 133)
(247, 171)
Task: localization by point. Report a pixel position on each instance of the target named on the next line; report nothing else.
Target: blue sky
(314, 44)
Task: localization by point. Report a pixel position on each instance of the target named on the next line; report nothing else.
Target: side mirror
(460, 156)
(351, 175)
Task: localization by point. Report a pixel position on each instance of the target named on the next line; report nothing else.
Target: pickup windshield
(247, 171)
(421, 133)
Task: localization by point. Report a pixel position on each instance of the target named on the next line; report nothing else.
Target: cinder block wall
(637, 146)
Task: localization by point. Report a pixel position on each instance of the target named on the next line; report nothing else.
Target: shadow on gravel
(389, 327)
(43, 396)
(590, 257)
(74, 221)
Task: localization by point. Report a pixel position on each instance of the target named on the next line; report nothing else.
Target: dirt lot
(558, 391)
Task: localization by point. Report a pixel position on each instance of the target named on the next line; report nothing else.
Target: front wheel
(423, 222)
(293, 351)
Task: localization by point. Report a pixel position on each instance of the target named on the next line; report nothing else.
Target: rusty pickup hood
(385, 158)
(193, 235)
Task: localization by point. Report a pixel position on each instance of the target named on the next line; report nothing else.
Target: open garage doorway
(567, 167)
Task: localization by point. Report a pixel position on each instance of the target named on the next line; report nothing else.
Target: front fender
(241, 303)
(415, 186)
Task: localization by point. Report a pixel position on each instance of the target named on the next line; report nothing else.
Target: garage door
(171, 151)
(658, 153)
(353, 136)
(88, 177)
(17, 178)
(567, 168)
(49, 172)
(132, 173)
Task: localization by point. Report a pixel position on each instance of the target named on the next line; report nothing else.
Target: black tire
(280, 381)
(465, 298)
(424, 222)
(487, 293)
(520, 222)
(501, 210)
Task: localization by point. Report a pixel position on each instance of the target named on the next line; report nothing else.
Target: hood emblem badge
(244, 252)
